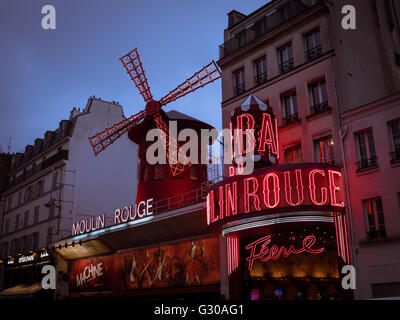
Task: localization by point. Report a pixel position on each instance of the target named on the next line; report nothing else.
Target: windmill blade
(106, 137)
(206, 75)
(175, 165)
(133, 66)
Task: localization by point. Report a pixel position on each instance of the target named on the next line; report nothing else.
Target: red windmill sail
(131, 61)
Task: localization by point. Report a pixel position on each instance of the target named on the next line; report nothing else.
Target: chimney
(235, 17)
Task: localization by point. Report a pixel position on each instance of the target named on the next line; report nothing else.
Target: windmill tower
(155, 181)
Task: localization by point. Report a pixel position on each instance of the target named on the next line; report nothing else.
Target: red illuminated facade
(275, 216)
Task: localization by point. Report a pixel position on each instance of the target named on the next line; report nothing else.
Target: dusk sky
(45, 73)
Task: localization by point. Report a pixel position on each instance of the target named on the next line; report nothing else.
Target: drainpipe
(343, 133)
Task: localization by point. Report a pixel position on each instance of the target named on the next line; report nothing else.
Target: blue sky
(45, 73)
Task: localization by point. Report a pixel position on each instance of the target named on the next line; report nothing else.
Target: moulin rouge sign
(271, 188)
(310, 186)
(120, 216)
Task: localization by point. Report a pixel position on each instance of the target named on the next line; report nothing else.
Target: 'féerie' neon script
(265, 253)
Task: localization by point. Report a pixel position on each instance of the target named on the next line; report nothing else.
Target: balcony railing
(313, 53)
(61, 155)
(320, 107)
(395, 155)
(286, 66)
(291, 118)
(261, 78)
(377, 233)
(283, 14)
(367, 163)
(239, 89)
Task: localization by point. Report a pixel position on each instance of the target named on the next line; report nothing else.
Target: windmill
(132, 64)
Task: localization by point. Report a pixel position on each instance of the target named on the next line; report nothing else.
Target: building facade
(335, 95)
(156, 247)
(57, 181)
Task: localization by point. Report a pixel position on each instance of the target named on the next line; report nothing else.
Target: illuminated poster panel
(183, 264)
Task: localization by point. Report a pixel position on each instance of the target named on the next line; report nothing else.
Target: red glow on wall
(259, 249)
(341, 237)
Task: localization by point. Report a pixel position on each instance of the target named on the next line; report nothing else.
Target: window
(9, 202)
(13, 246)
(18, 243)
(293, 154)
(375, 223)
(16, 222)
(194, 173)
(239, 83)
(385, 290)
(313, 44)
(158, 172)
(35, 240)
(26, 218)
(319, 97)
(25, 244)
(260, 26)
(395, 135)
(290, 107)
(36, 215)
(39, 188)
(240, 39)
(5, 249)
(28, 194)
(19, 198)
(366, 151)
(49, 234)
(6, 226)
(260, 71)
(323, 149)
(51, 209)
(55, 178)
(286, 58)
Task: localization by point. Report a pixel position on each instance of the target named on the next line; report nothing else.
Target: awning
(21, 290)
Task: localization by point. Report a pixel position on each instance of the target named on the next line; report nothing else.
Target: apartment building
(59, 180)
(335, 95)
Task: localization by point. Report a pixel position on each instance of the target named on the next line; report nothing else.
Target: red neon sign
(244, 133)
(266, 253)
(313, 187)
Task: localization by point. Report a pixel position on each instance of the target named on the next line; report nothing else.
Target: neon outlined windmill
(133, 66)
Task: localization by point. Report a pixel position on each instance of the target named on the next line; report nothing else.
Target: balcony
(61, 155)
(291, 118)
(260, 78)
(239, 89)
(395, 155)
(290, 10)
(314, 53)
(367, 163)
(286, 66)
(377, 233)
(319, 108)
